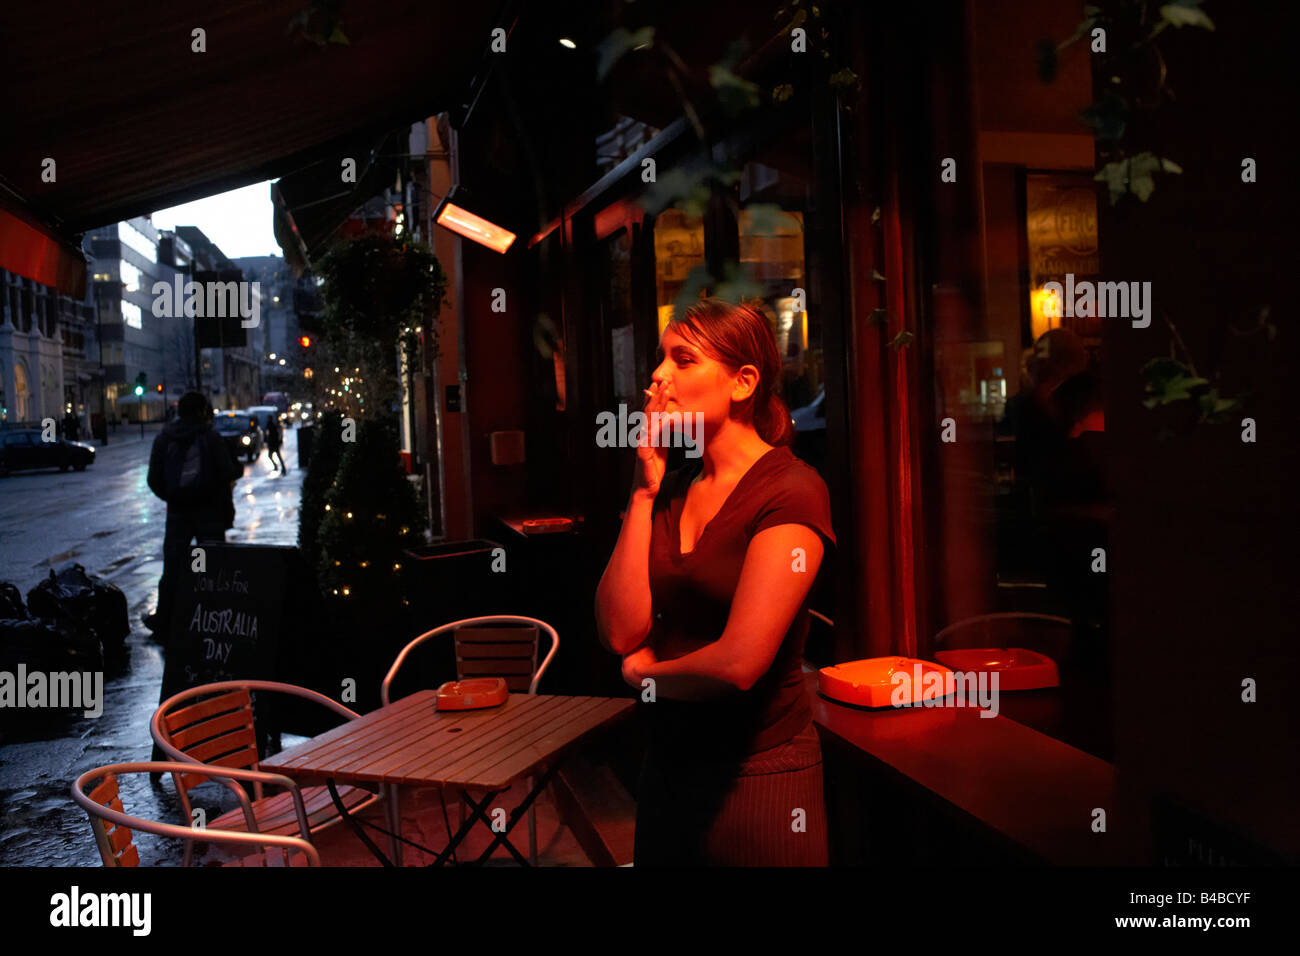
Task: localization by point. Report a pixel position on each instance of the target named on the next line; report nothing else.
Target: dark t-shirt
(691, 597)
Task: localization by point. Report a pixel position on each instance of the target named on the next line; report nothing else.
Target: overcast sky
(238, 221)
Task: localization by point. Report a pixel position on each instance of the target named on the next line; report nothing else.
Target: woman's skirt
(767, 810)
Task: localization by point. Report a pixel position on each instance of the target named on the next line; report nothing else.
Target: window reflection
(679, 248)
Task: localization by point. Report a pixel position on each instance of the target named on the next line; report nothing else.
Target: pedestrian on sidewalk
(192, 470)
(274, 439)
(71, 427)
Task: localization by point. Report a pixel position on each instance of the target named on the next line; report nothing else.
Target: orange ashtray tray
(871, 682)
(472, 694)
(1016, 667)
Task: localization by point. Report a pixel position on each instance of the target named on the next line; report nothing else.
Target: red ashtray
(884, 682)
(1016, 667)
(472, 694)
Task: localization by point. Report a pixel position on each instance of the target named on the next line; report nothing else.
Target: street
(106, 519)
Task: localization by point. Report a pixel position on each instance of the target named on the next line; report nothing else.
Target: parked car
(812, 416)
(21, 450)
(810, 431)
(241, 432)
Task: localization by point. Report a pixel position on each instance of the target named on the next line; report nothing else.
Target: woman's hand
(652, 453)
(634, 665)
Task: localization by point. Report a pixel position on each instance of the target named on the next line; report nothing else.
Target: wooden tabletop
(1029, 787)
(409, 742)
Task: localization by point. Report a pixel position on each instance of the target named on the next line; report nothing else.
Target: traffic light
(305, 341)
(141, 383)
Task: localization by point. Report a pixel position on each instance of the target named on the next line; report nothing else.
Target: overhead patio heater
(453, 213)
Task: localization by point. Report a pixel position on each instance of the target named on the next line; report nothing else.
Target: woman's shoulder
(791, 491)
(789, 471)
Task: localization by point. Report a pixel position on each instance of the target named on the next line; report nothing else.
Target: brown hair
(737, 335)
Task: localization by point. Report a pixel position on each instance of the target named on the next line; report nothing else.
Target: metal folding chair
(1044, 633)
(213, 725)
(479, 653)
(113, 827)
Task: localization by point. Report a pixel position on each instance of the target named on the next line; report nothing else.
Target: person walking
(274, 439)
(192, 470)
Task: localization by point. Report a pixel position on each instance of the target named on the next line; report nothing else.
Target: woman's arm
(623, 595)
(774, 581)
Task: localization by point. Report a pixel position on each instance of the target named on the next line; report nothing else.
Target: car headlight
(246, 440)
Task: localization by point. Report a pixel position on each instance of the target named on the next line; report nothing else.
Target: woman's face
(694, 382)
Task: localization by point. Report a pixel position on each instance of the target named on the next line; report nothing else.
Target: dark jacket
(224, 469)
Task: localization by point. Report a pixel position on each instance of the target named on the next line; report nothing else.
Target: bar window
(679, 248)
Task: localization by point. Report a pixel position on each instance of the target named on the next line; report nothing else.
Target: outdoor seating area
(738, 441)
(387, 774)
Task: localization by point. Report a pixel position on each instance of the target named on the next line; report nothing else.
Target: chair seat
(259, 859)
(275, 814)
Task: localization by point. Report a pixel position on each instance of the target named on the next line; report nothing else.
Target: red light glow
(470, 226)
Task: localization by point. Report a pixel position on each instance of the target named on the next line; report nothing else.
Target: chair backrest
(215, 728)
(113, 827)
(1044, 633)
(484, 650)
(509, 652)
(213, 725)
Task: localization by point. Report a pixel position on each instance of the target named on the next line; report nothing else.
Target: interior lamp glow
(1044, 311)
(460, 220)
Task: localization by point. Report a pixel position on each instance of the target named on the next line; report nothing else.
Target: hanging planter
(380, 292)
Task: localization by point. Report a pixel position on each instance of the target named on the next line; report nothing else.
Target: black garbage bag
(11, 603)
(83, 600)
(36, 657)
(48, 646)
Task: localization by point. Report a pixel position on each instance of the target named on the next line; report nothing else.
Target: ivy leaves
(377, 293)
(1135, 174)
(1169, 380)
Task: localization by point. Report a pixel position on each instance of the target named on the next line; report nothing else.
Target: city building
(283, 357)
(132, 341)
(31, 350)
(231, 377)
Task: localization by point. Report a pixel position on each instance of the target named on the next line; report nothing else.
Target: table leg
(356, 827)
(518, 813)
(394, 823)
(479, 813)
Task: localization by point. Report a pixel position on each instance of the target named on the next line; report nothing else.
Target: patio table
(410, 743)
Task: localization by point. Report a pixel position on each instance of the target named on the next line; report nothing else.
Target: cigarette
(647, 392)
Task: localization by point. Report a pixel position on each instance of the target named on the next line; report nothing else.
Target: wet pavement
(106, 519)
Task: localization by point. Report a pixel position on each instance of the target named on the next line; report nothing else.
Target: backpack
(186, 472)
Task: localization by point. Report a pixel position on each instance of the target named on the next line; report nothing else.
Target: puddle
(120, 562)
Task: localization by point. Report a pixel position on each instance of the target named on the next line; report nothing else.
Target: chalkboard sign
(226, 621)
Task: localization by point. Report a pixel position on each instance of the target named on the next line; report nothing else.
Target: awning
(31, 249)
(135, 119)
(311, 203)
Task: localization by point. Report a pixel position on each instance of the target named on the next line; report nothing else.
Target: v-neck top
(691, 598)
